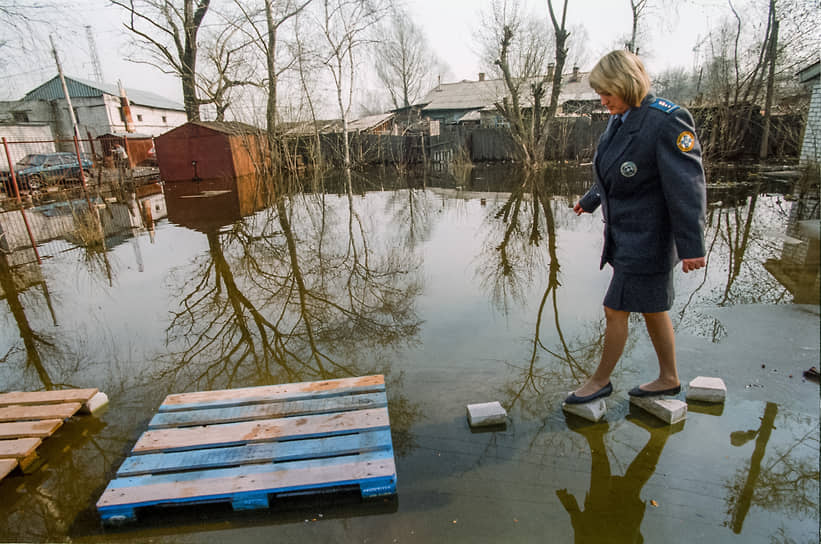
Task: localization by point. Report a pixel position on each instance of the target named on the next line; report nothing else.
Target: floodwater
(459, 290)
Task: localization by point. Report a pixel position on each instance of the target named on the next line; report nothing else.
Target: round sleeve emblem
(628, 169)
(686, 141)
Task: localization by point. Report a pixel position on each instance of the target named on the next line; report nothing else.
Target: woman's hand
(693, 264)
(578, 209)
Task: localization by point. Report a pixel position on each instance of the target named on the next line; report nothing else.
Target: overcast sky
(450, 26)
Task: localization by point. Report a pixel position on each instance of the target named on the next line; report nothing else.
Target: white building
(97, 107)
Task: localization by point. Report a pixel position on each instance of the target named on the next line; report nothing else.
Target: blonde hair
(621, 73)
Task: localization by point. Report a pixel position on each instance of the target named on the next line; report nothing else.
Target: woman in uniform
(649, 182)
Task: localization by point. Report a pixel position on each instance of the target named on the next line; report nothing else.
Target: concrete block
(486, 413)
(95, 404)
(668, 410)
(591, 411)
(707, 389)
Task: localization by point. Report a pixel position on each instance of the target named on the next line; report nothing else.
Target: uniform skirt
(644, 293)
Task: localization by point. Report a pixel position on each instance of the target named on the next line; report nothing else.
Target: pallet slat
(47, 397)
(234, 414)
(271, 393)
(272, 452)
(6, 466)
(18, 448)
(316, 474)
(263, 430)
(21, 412)
(27, 429)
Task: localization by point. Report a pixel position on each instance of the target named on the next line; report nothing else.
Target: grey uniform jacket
(650, 183)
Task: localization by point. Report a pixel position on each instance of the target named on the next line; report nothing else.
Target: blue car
(36, 171)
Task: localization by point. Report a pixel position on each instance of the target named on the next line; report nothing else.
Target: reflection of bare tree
(33, 341)
(526, 219)
(788, 482)
(613, 508)
(295, 293)
(412, 211)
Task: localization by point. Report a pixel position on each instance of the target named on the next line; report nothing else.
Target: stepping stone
(669, 410)
(591, 411)
(95, 404)
(707, 389)
(486, 413)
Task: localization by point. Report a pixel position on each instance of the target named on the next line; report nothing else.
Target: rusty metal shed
(210, 150)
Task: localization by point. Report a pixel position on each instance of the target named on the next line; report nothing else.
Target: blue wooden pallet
(244, 446)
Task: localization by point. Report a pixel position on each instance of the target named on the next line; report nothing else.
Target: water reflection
(613, 509)
(787, 481)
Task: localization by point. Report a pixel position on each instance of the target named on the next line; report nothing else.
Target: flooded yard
(479, 288)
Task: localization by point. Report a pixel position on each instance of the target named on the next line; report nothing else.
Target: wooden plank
(18, 448)
(21, 412)
(266, 452)
(261, 431)
(188, 488)
(25, 429)
(47, 397)
(6, 466)
(249, 471)
(269, 393)
(235, 414)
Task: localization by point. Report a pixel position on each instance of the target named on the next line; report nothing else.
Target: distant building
(98, 108)
(474, 102)
(811, 146)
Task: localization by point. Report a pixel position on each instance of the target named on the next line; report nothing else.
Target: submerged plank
(25, 429)
(266, 452)
(269, 393)
(18, 448)
(261, 431)
(21, 412)
(234, 414)
(196, 489)
(47, 397)
(6, 466)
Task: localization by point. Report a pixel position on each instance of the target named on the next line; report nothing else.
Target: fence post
(13, 178)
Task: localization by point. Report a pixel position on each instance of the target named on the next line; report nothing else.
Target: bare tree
(226, 67)
(404, 63)
(345, 25)
(638, 9)
(167, 30)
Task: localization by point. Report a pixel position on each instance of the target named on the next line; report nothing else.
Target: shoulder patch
(664, 105)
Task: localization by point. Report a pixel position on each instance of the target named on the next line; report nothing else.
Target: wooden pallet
(27, 418)
(243, 446)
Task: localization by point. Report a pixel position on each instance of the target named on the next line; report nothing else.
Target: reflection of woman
(649, 181)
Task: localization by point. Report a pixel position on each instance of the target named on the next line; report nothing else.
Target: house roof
(228, 127)
(83, 88)
(470, 95)
(369, 122)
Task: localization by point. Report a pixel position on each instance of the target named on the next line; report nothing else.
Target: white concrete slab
(666, 409)
(95, 404)
(486, 413)
(706, 389)
(591, 411)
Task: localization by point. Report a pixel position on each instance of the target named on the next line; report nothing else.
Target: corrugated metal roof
(467, 95)
(228, 127)
(83, 88)
(371, 121)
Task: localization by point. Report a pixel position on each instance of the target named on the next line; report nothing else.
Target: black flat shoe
(603, 392)
(639, 392)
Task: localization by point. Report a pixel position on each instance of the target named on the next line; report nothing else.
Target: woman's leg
(615, 337)
(660, 329)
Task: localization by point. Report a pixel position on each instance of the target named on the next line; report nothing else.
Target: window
(20, 116)
(139, 117)
(164, 120)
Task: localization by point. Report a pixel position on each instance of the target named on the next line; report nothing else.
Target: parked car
(38, 170)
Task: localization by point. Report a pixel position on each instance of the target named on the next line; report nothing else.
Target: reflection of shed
(136, 146)
(209, 150)
(209, 204)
